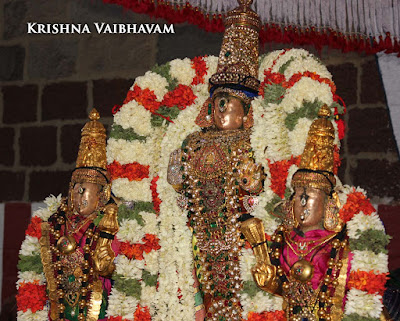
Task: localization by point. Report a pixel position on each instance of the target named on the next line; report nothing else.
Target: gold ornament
(91, 164)
(332, 220)
(316, 166)
(302, 271)
(66, 244)
(238, 58)
(253, 231)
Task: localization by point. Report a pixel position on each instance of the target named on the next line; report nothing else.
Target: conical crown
(92, 149)
(317, 160)
(238, 58)
(91, 164)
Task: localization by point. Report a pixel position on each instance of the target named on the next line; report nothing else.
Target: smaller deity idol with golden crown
(77, 247)
(215, 172)
(308, 260)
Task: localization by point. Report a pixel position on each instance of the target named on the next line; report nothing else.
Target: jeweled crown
(238, 58)
(317, 160)
(91, 164)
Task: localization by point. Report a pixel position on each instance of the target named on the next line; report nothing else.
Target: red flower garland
(336, 159)
(278, 315)
(356, 202)
(200, 67)
(145, 97)
(142, 314)
(133, 171)
(31, 296)
(35, 227)
(182, 96)
(279, 173)
(135, 251)
(368, 281)
(154, 194)
(118, 318)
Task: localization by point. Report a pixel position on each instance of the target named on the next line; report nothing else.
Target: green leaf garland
(30, 263)
(118, 132)
(149, 279)
(128, 286)
(370, 240)
(133, 214)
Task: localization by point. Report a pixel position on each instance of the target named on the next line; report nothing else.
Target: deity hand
(174, 175)
(103, 258)
(265, 277)
(251, 175)
(109, 222)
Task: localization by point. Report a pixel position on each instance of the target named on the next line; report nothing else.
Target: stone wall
(50, 82)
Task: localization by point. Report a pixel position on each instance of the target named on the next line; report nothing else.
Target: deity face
(85, 197)
(309, 208)
(228, 112)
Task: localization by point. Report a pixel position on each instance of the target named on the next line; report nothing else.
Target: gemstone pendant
(250, 203)
(66, 244)
(302, 271)
(182, 202)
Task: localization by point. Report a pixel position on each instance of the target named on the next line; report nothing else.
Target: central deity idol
(215, 173)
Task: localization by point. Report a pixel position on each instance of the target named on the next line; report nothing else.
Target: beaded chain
(318, 305)
(210, 176)
(57, 221)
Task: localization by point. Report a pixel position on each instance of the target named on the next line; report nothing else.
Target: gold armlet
(253, 231)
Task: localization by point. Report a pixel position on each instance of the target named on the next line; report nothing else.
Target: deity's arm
(104, 254)
(264, 273)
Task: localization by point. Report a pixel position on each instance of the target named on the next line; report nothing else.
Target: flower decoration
(133, 172)
(294, 85)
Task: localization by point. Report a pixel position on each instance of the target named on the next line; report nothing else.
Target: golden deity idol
(215, 172)
(77, 249)
(307, 264)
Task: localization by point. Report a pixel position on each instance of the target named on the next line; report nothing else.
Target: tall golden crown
(317, 160)
(91, 164)
(238, 58)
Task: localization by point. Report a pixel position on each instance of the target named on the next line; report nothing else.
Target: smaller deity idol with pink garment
(77, 242)
(308, 262)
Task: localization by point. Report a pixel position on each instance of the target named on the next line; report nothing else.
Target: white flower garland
(363, 304)
(158, 84)
(30, 248)
(182, 71)
(271, 141)
(132, 116)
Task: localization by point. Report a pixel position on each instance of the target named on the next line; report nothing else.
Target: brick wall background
(50, 82)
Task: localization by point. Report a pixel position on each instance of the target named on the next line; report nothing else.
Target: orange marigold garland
(182, 96)
(145, 97)
(135, 251)
(133, 171)
(279, 173)
(356, 202)
(118, 318)
(34, 228)
(267, 316)
(31, 296)
(336, 159)
(200, 67)
(142, 314)
(368, 281)
(154, 194)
